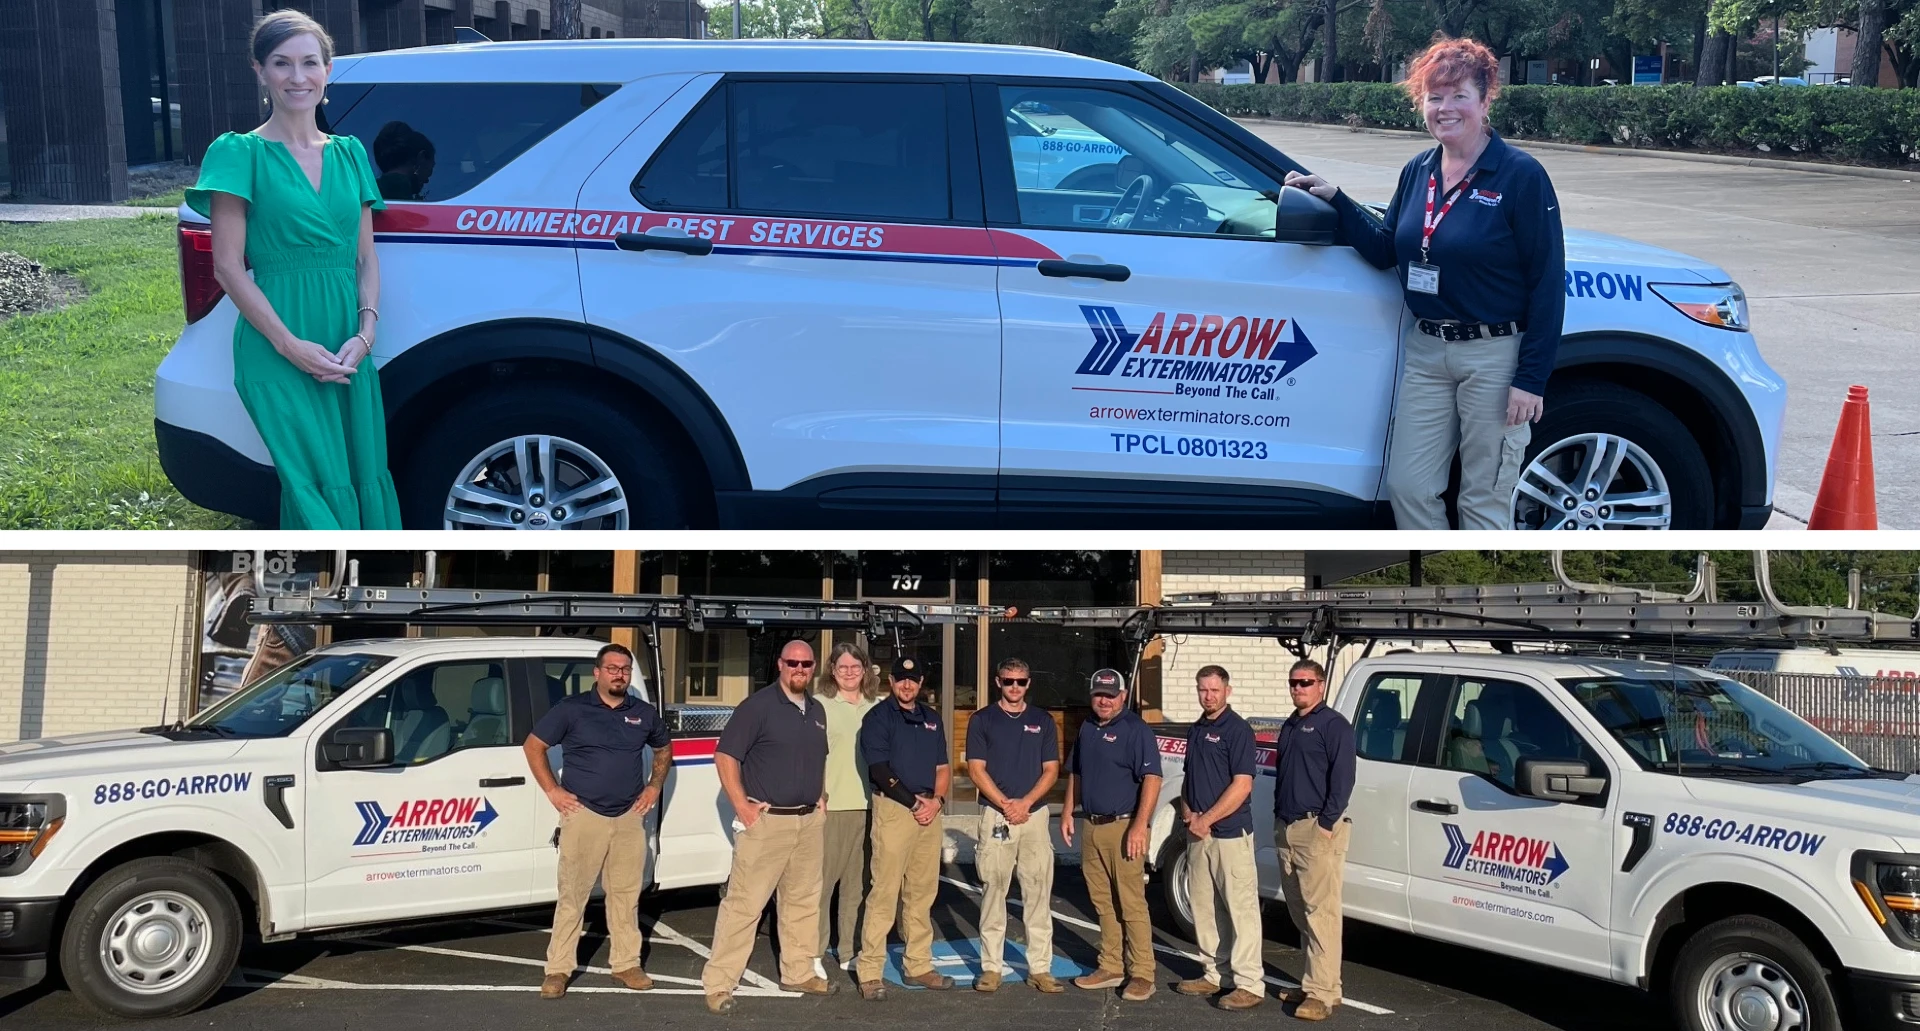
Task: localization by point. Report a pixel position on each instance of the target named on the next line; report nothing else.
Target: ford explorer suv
(1639, 822)
(370, 782)
(790, 284)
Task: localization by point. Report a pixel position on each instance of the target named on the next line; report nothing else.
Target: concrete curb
(1828, 168)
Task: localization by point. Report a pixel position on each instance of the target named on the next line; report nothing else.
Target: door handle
(678, 244)
(1436, 805)
(502, 782)
(1058, 269)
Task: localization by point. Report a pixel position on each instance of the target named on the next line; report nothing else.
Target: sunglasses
(797, 663)
(1302, 681)
(1014, 681)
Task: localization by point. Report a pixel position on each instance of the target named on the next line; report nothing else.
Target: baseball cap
(905, 668)
(1107, 682)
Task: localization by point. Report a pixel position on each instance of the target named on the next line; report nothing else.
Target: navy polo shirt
(1314, 766)
(1218, 750)
(1013, 747)
(604, 764)
(781, 747)
(1111, 759)
(1501, 252)
(910, 741)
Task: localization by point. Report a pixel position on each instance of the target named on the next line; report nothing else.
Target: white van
(1878, 663)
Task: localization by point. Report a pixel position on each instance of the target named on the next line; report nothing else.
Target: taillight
(199, 291)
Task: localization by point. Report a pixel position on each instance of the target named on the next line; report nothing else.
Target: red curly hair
(1449, 61)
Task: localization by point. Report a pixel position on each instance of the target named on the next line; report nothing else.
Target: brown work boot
(635, 979)
(553, 986)
(720, 1002)
(1138, 989)
(988, 981)
(1197, 986)
(1047, 983)
(1100, 979)
(932, 980)
(873, 991)
(1313, 1009)
(1293, 996)
(811, 986)
(1240, 999)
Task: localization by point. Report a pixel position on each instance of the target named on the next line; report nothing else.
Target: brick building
(89, 87)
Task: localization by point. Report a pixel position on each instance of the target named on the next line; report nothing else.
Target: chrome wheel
(536, 482)
(1178, 893)
(1592, 481)
(155, 943)
(1745, 992)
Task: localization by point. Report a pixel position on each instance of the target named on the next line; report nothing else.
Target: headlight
(1890, 887)
(1723, 306)
(27, 824)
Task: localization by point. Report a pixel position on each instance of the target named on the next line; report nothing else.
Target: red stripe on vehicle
(695, 747)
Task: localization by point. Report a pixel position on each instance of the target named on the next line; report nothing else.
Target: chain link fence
(1875, 718)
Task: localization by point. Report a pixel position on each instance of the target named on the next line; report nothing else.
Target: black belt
(1449, 330)
(1102, 819)
(792, 810)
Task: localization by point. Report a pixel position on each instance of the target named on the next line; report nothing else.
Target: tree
(566, 19)
(768, 19)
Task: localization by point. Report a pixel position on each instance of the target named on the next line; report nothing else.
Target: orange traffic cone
(1846, 490)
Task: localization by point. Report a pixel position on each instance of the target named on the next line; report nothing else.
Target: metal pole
(736, 19)
(1776, 48)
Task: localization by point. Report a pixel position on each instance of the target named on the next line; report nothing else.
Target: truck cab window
(1493, 724)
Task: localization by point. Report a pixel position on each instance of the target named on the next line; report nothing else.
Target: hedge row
(1861, 126)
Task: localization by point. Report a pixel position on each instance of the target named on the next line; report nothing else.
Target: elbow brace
(882, 777)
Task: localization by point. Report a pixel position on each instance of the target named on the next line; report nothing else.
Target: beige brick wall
(1258, 665)
(93, 640)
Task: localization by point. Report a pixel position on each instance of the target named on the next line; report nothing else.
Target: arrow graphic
(1295, 354)
(485, 816)
(1555, 865)
(1111, 340)
(375, 823)
(1457, 846)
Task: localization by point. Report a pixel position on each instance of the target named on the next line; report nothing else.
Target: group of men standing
(841, 792)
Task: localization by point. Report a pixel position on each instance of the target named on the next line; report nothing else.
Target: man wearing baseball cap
(907, 763)
(1114, 774)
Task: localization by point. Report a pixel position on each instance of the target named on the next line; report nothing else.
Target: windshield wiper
(1706, 768)
(1827, 766)
(190, 729)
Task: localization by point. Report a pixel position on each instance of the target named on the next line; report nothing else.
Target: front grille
(1910, 1005)
(7, 918)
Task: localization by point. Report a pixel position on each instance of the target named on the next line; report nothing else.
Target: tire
(1176, 906)
(185, 917)
(1582, 413)
(585, 436)
(1753, 959)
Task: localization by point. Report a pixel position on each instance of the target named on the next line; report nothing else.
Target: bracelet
(363, 339)
(371, 308)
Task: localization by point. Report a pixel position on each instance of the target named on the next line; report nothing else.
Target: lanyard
(1432, 221)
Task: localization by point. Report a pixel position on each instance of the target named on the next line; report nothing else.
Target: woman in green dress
(297, 205)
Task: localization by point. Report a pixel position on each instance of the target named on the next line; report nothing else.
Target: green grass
(169, 200)
(76, 385)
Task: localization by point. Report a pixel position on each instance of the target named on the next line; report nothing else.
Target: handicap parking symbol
(960, 959)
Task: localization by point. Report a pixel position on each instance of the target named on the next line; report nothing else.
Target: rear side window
(433, 141)
(825, 149)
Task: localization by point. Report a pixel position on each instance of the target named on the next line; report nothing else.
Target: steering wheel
(1136, 191)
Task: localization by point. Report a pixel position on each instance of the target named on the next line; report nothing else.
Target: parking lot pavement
(484, 975)
(1828, 262)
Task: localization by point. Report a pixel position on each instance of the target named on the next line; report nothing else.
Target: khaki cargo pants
(1311, 872)
(1221, 878)
(1453, 398)
(1028, 852)
(777, 854)
(612, 850)
(1118, 886)
(906, 876)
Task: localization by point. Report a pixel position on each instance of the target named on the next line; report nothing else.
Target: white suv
(658, 284)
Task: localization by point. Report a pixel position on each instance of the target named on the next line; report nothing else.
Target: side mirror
(1300, 217)
(1558, 780)
(360, 748)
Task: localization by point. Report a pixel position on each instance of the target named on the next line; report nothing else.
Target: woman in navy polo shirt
(1474, 229)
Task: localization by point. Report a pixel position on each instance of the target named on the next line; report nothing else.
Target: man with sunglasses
(1013, 757)
(772, 763)
(1315, 770)
(906, 754)
(604, 793)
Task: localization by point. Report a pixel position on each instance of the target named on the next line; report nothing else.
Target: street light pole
(1776, 45)
(736, 19)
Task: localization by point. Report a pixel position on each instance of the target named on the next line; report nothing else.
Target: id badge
(1423, 278)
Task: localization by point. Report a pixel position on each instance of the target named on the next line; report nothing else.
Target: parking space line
(435, 950)
(249, 977)
(663, 933)
(1168, 949)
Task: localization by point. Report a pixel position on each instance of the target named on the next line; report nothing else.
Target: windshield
(287, 697)
(1710, 727)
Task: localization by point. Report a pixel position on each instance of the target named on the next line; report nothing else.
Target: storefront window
(755, 574)
(1062, 660)
(387, 568)
(703, 666)
(490, 570)
(580, 571)
(906, 574)
(966, 666)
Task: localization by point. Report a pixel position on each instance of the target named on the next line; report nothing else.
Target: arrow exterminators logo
(424, 821)
(1202, 348)
(1521, 865)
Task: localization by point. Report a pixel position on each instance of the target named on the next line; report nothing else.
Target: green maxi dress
(328, 440)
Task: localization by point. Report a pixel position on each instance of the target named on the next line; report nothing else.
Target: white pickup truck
(1639, 822)
(371, 782)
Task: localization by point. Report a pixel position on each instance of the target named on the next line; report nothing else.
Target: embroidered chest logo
(1487, 197)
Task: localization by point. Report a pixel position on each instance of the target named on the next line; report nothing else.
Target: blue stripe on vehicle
(608, 245)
